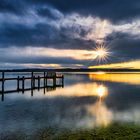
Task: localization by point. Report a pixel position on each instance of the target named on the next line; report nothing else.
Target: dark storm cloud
(13, 6)
(114, 10)
(45, 12)
(45, 34)
(126, 46)
(42, 35)
(46, 23)
(25, 27)
(22, 35)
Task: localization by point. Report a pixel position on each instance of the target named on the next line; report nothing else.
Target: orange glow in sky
(130, 65)
(132, 79)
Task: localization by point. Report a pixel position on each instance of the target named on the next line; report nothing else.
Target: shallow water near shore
(86, 101)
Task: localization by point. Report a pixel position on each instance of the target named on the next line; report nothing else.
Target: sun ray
(102, 52)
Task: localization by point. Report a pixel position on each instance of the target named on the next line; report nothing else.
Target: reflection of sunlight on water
(100, 72)
(77, 90)
(65, 108)
(116, 77)
(102, 91)
(102, 115)
(100, 112)
(82, 89)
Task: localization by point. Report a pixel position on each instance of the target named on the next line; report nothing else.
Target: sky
(65, 33)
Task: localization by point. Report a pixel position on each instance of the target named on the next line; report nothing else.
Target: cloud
(34, 57)
(114, 10)
(71, 25)
(8, 6)
(125, 45)
(33, 30)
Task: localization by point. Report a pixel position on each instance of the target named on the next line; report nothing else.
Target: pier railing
(35, 82)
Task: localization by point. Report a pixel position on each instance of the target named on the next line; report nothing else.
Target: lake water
(87, 100)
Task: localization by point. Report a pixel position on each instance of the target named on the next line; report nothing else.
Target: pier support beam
(44, 79)
(54, 81)
(18, 83)
(23, 83)
(62, 80)
(3, 86)
(38, 83)
(34, 81)
(32, 74)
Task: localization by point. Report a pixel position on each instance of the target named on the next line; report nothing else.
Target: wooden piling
(62, 80)
(2, 82)
(32, 74)
(38, 82)
(44, 89)
(2, 97)
(3, 86)
(44, 79)
(23, 80)
(54, 81)
(18, 84)
(34, 82)
(32, 92)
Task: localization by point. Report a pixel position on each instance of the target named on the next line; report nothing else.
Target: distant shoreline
(114, 70)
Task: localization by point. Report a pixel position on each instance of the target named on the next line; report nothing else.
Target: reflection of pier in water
(35, 82)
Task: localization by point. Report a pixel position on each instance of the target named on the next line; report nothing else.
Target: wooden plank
(29, 78)
(28, 89)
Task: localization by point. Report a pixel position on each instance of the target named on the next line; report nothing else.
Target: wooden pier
(35, 79)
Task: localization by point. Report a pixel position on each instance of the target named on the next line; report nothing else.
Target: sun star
(102, 52)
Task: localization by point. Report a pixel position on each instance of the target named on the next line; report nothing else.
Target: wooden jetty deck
(35, 82)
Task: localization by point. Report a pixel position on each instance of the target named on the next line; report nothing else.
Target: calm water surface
(85, 101)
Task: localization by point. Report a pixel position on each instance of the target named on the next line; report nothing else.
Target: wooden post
(23, 84)
(34, 82)
(62, 80)
(38, 82)
(32, 92)
(3, 80)
(2, 97)
(18, 84)
(32, 74)
(44, 89)
(54, 80)
(44, 79)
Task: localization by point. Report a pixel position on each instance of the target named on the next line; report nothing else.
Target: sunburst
(102, 52)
